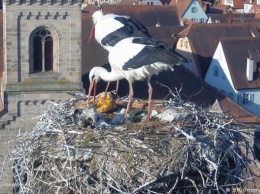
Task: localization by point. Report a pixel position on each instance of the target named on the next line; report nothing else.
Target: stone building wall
(26, 94)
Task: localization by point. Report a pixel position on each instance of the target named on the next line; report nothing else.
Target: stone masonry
(26, 94)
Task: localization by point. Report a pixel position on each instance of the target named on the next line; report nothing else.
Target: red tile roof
(233, 17)
(182, 5)
(204, 39)
(237, 50)
(147, 14)
(166, 33)
(255, 9)
(218, 8)
(126, 2)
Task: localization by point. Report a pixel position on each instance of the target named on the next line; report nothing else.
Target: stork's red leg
(117, 86)
(90, 90)
(131, 94)
(95, 92)
(150, 92)
(108, 83)
(91, 86)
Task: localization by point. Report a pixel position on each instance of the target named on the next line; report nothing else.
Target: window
(223, 92)
(42, 51)
(252, 98)
(202, 20)
(184, 43)
(215, 71)
(245, 98)
(194, 19)
(229, 1)
(194, 9)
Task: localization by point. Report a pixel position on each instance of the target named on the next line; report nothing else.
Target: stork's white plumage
(111, 28)
(136, 59)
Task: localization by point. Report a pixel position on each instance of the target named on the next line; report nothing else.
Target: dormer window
(184, 43)
(194, 9)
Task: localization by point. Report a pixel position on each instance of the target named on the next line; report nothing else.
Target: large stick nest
(196, 153)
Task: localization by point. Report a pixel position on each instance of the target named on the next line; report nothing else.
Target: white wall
(247, 7)
(223, 82)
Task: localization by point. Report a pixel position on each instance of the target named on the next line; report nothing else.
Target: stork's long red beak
(91, 32)
(91, 86)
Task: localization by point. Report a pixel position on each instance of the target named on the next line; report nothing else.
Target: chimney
(250, 69)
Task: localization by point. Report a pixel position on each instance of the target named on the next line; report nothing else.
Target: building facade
(42, 63)
(234, 70)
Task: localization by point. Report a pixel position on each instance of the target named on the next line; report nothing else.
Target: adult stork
(109, 29)
(136, 59)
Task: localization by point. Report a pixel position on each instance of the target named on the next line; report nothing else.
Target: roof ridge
(186, 31)
(227, 39)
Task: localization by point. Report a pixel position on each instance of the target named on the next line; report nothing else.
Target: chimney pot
(250, 69)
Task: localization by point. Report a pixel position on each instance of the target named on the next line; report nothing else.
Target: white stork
(111, 28)
(136, 59)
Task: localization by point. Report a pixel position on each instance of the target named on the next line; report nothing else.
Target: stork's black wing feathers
(132, 28)
(120, 34)
(155, 51)
(139, 29)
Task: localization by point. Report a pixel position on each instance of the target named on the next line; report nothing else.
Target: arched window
(42, 51)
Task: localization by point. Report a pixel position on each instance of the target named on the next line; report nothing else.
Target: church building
(41, 62)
